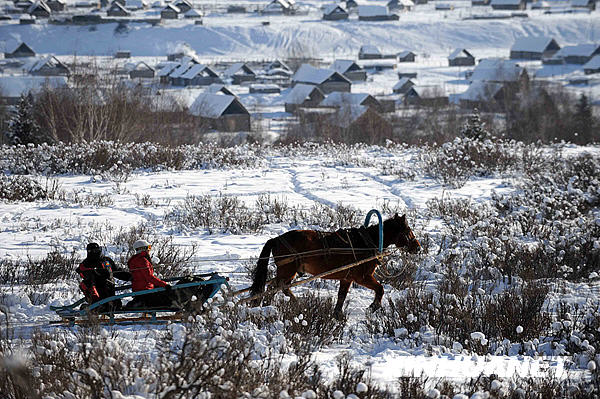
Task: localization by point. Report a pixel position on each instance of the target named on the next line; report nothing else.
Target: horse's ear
(396, 216)
(403, 217)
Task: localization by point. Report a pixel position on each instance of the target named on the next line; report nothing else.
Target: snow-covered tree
(474, 128)
(23, 129)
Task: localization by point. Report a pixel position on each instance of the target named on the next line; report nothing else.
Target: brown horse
(315, 252)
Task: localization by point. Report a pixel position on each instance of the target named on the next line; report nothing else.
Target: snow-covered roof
(14, 86)
(372, 11)
(532, 43)
(136, 4)
(277, 4)
(237, 67)
(342, 66)
(139, 66)
(402, 82)
(480, 91)
(580, 50)
(117, 5)
(496, 69)
(309, 74)
(192, 12)
(459, 52)
(211, 105)
(167, 68)
(337, 98)
(39, 4)
(594, 63)
(580, 3)
(173, 7)
(194, 71)
(300, 93)
(369, 49)
(39, 63)
(218, 88)
(348, 114)
(404, 53)
(329, 8)
(506, 2)
(278, 64)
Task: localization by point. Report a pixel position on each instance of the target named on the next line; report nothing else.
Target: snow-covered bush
(113, 158)
(55, 266)
(453, 163)
(25, 189)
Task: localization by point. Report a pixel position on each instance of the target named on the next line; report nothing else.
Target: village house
(135, 5)
(224, 113)
(533, 48)
(589, 4)
(193, 14)
(170, 12)
(264, 88)
(402, 86)
(48, 66)
(239, 73)
(165, 69)
(303, 95)
(369, 52)
(141, 70)
(508, 4)
(426, 96)
(14, 86)
(339, 99)
(326, 79)
(350, 4)
(117, 10)
(461, 57)
(183, 6)
(475, 3)
(358, 123)
(592, 66)
(349, 69)
(499, 71)
(482, 95)
(218, 88)
(27, 19)
(123, 54)
(578, 54)
(375, 13)
(400, 5)
(57, 5)
(406, 56)
(21, 50)
(279, 7)
(198, 75)
(334, 12)
(39, 9)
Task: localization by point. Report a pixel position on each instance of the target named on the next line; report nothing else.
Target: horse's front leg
(343, 291)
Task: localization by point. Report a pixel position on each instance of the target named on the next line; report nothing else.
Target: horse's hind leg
(283, 278)
(343, 291)
(370, 282)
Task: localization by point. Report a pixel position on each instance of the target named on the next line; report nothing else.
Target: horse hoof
(374, 307)
(338, 315)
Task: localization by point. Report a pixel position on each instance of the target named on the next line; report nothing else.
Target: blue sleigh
(96, 312)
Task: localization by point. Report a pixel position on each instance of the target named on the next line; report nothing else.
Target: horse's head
(401, 234)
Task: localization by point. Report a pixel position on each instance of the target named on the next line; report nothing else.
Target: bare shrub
(175, 260)
(54, 266)
(458, 309)
(309, 322)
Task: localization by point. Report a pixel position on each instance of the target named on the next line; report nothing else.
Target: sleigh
(109, 311)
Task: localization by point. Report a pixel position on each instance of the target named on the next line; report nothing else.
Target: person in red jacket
(143, 278)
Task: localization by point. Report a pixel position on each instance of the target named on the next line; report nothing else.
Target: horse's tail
(260, 273)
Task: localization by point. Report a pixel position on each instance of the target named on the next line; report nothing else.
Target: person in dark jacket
(98, 273)
(143, 278)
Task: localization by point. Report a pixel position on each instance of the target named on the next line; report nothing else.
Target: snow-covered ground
(32, 229)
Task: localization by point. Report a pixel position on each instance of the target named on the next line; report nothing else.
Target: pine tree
(474, 128)
(583, 120)
(23, 129)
